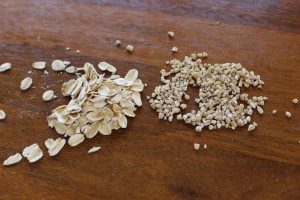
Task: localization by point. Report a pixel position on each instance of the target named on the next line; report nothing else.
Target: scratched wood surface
(152, 159)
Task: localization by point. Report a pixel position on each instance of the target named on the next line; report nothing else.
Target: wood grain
(152, 159)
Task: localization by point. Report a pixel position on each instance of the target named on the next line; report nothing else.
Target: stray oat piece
(196, 146)
(94, 149)
(49, 142)
(33, 153)
(58, 65)
(205, 146)
(26, 83)
(295, 101)
(68, 48)
(129, 48)
(39, 65)
(204, 54)
(118, 42)
(46, 72)
(77, 51)
(2, 115)
(4, 67)
(48, 95)
(251, 127)
(171, 34)
(13, 159)
(175, 49)
(288, 114)
(260, 110)
(274, 112)
(70, 70)
(55, 146)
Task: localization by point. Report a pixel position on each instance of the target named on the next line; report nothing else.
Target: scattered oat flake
(26, 83)
(70, 70)
(58, 65)
(49, 142)
(48, 95)
(13, 159)
(5, 67)
(196, 146)
(205, 146)
(33, 153)
(68, 48)
(295, 101)
(118, 42)
(56, 146)
(77, 51)
(251, 127)
(46, 72)
(2, 115)
(274, 112)
(175, 49)
(171, 34)
(94, 149)
(39, 65)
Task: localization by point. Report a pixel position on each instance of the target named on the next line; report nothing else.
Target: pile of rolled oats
(221, 103)
(97, 104)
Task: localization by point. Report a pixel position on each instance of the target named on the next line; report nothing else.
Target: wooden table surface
(152, 159)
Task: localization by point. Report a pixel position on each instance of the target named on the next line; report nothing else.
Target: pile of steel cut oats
(221, 103)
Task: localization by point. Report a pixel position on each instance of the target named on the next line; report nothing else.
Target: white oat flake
(33, 153)
(5, 67)
(48, 95)
(94, 149)
(2, 115)
(13, 159)
(39, 65)
(26, 83)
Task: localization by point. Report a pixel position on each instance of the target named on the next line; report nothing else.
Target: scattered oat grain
(171, 34)
(94, 149)
(2, 115)
(175, 49)
(58, 65)
(39, 65)
(48, 95)
(5, 67)
(13, 159)
(129, 48)
(26, 83)
(295, 101)
(33, 153)
(118, 42)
